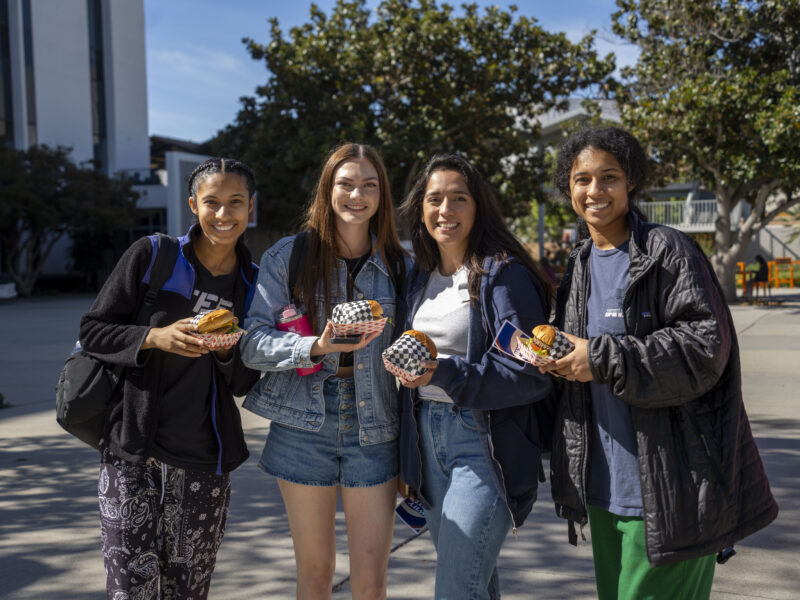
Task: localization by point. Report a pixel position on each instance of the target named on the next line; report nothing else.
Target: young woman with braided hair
(174, 435)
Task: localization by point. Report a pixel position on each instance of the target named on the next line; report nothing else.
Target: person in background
(761, 274)
(470, 446)
(333, 430)
(172, 439)
(652, 443)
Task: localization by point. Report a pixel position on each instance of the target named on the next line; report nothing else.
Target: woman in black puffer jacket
(652, 444)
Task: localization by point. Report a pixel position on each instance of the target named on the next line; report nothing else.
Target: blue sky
(198, 68)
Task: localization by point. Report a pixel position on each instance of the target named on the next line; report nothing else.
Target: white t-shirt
(444, 316)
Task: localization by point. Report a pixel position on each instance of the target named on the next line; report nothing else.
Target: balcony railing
(691, 215)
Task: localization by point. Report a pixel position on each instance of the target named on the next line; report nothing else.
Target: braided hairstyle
(216, 165)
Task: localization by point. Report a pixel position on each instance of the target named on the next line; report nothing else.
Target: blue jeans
(468, 519)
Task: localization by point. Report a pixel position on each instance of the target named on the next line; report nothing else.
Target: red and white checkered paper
(398, 372)
(219, 341)
(376, 326)
(522, 351)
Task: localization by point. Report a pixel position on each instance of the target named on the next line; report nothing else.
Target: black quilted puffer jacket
(702, 480)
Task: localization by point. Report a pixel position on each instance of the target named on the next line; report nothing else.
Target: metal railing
(697, 215)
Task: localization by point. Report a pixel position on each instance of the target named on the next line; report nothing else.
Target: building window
(97, 75)
(30, 89)
(6, 116)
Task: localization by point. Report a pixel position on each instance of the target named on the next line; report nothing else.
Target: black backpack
(86, 384)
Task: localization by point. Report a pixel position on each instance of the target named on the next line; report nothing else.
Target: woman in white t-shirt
(469, 434)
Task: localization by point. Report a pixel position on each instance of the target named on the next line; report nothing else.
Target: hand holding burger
(573, 366)
(411, 358)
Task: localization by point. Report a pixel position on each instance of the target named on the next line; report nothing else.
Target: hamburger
(541, 340)
(547, 342)
(216, 321)
(403, 357)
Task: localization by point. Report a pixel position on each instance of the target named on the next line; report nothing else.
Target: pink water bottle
(295, 320)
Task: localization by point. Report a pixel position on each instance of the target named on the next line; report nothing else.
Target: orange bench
(783, 271)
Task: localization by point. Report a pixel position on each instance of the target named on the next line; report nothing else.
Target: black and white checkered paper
(561, 346)
(402, 358)
(352, 312)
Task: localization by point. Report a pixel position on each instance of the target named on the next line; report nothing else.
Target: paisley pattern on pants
(161, 528)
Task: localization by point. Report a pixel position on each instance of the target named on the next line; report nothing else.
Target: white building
(73, 73)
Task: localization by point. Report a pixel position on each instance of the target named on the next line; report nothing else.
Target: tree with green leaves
(414, 78)
(715, 95)
(46, 196)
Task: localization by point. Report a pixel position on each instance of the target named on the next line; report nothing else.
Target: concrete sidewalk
(49, 530)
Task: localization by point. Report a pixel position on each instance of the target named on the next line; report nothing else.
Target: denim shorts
(331, 456)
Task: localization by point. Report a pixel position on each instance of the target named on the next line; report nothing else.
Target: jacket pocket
(712, 496)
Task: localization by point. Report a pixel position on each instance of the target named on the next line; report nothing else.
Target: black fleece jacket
(108, 332)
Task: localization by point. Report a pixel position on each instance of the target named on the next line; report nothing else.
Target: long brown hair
(323, 246)
(489, 236)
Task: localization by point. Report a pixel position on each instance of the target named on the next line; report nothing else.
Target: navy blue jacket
(499, 389)
(108, 332)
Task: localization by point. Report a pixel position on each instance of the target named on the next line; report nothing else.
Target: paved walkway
(49, 532)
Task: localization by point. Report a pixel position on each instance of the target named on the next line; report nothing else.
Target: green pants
(623, 572)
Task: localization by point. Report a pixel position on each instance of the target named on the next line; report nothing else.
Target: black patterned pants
(161, 527)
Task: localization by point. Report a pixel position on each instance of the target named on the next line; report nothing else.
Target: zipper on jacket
(705, 444)
(584, 399)
(485, 324)
(502, 477)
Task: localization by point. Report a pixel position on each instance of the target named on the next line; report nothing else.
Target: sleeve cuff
(444, 373)
(301, 355)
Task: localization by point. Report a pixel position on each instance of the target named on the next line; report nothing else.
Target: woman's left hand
(575, 365)
(423, 379)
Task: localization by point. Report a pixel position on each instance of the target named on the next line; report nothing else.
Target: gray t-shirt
(614, 475)
(444, 316)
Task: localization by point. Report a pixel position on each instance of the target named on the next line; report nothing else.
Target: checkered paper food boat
(355, 318)
(367, 327)
(406, 351)
(561, 347)
(217, 341)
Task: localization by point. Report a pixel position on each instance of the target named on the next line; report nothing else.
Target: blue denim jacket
(289, 399)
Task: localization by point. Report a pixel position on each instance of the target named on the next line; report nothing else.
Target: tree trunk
(725, 253)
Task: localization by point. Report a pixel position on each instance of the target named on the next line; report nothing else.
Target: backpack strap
(166, 254)
(296, 258)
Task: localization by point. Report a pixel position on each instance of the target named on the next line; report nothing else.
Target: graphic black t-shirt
(185, 435)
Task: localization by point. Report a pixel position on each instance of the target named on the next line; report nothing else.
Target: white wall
(179, 166)
(61, 75)
(126, 86)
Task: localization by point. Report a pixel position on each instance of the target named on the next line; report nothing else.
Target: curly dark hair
(490, 235)
(621, 144)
